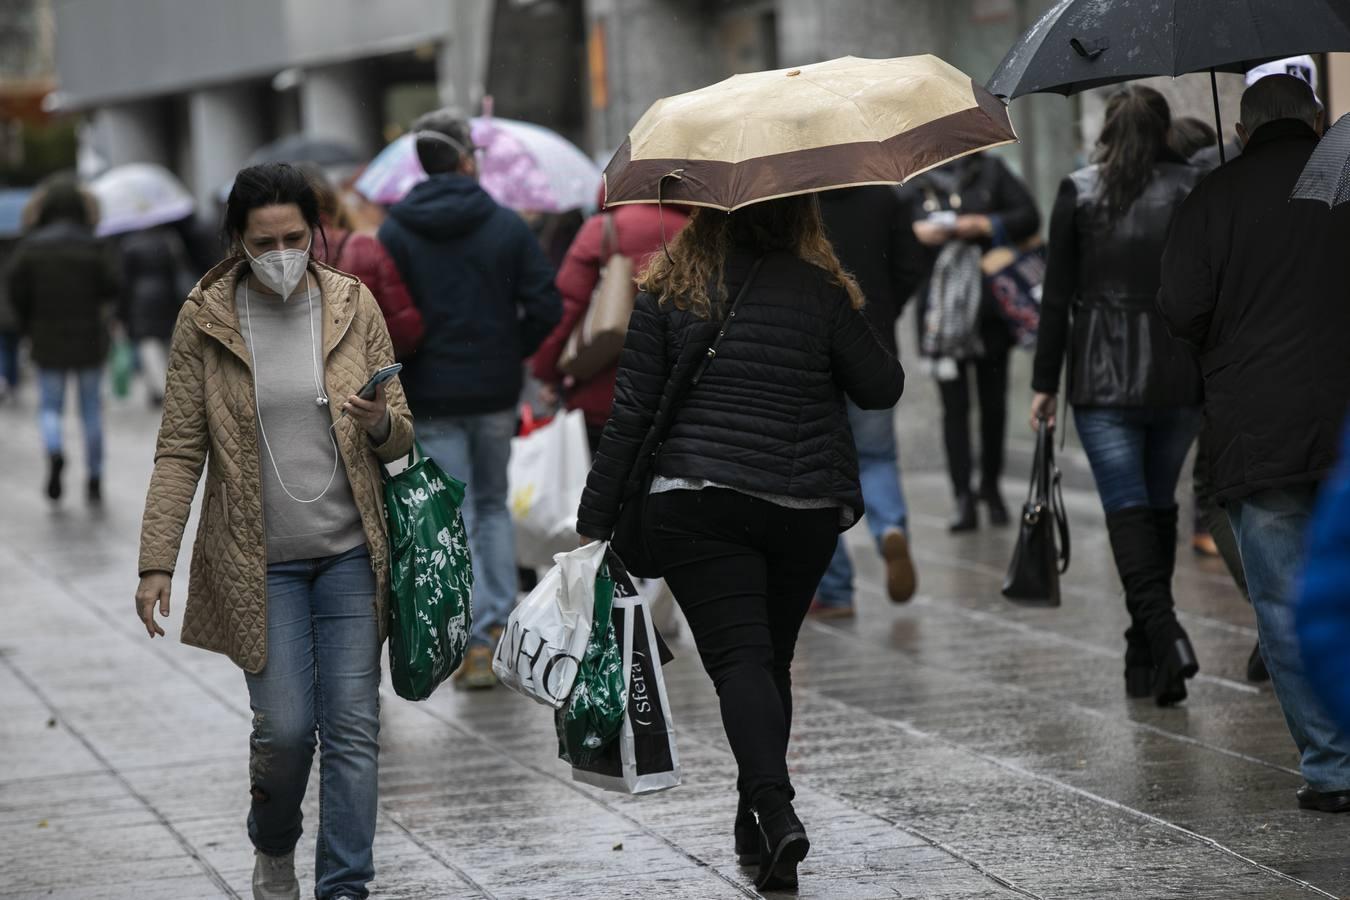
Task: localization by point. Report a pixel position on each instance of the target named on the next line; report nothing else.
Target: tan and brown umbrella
(834, 124)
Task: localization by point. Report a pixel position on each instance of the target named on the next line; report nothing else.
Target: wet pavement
(952, 749)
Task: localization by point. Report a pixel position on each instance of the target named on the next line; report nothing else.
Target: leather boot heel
(1178, 665)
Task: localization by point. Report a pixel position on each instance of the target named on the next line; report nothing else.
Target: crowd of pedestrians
(1180, 300)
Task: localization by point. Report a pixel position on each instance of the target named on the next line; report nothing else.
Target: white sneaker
(274, 877)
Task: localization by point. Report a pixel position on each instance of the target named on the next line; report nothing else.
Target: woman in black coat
(156, 279)
(960, 211)
(757, 475)
(1136, 392)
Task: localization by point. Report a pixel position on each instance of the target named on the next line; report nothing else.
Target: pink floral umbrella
(521, 165)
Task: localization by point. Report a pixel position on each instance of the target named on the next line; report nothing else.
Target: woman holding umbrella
(1136, 392)
(729, 430)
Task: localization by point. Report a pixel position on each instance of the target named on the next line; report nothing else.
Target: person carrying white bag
(546, 634)
(545, 477)
(643, 758)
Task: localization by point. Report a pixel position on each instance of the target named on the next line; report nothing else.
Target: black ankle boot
(967, 516)
(746, 831)
(783, 842)
(1145, 559)
(94, 491)
(55, 463)
(998, 510)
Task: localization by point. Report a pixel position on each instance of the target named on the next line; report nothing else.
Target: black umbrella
(1326, 177)
(1081, 44)
(296, 148)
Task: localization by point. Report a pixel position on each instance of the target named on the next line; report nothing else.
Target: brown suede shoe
(901, 579)
(475, 672)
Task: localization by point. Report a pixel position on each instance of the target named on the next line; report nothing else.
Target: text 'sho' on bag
(597, 340)
(547, 633)
(431, 579)
(1033, 575)
(644, 758)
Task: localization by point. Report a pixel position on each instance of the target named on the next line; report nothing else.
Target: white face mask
(280, 270)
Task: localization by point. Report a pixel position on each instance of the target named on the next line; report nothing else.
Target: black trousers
(744, 571)
(990, 373)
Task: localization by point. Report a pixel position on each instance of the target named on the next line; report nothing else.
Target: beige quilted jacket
(210, 422)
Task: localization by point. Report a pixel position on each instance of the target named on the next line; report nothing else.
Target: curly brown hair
(691, 278)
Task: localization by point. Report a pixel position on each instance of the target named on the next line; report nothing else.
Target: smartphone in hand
(367, 391)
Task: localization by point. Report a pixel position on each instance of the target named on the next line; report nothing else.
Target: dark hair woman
(62, 283)
(290, 568)
(1136, 393)
(958, 213)
(757, 475)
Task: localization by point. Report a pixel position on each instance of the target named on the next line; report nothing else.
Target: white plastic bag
(546, 634)
(545, 477)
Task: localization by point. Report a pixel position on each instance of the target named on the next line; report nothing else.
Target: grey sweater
(296, 430)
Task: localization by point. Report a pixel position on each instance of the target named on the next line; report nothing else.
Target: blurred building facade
(197, 85)
(33, 143)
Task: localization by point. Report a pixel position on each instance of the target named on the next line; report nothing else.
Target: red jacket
(361, 254)
(639, 236)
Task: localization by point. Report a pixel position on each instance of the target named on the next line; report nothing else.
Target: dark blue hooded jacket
(485, 291)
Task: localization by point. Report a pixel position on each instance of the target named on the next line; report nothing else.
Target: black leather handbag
(629, 540)
(1033, 575)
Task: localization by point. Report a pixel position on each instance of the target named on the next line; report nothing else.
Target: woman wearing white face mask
(290, 567)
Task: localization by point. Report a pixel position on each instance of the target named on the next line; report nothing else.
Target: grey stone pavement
(952, 749)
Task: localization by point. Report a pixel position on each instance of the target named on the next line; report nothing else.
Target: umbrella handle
(678, 175)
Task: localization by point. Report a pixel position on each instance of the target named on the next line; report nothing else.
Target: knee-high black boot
(1145, 560)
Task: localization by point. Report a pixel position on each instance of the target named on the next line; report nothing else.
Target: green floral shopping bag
(593, 714)
(431, 576)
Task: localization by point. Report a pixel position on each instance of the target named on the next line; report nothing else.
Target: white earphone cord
(322, 399)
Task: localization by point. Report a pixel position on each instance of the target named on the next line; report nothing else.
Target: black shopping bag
(644, 758)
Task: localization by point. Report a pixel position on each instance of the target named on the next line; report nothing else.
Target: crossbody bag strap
(667, 416)
(711, 353)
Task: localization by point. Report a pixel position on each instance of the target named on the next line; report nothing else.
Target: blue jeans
(1136, 453)
(879, 471)
(1270, 527)
(475, 450)
(322, 676)
(52, 406)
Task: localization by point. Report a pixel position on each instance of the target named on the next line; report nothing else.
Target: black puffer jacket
(769, 414)
(1106, 271)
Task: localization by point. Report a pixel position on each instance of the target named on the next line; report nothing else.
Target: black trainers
(55, 463)
(94, 491)
(1323, 801)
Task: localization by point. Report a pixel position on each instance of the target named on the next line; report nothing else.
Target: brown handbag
(597, 341)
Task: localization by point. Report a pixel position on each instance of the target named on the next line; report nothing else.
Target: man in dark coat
(486, 295)
(870, 229)
(1257, 283)
(63, 283)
